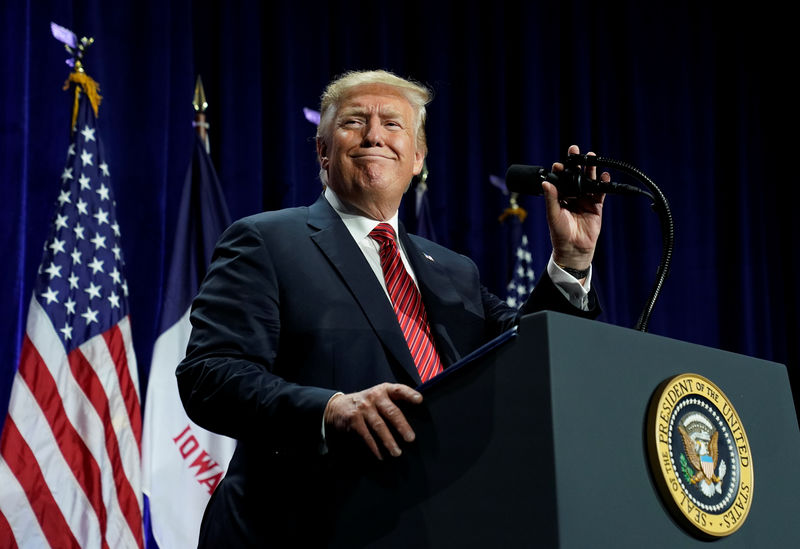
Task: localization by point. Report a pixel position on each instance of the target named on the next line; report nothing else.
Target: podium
(540, 442)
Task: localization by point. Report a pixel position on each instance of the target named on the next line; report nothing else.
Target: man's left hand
(574, 223)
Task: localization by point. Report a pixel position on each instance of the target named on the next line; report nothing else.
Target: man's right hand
(373, 414)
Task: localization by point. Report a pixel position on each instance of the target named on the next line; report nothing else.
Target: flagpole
(425, 227)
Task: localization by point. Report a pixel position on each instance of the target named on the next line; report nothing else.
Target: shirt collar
(357, 223)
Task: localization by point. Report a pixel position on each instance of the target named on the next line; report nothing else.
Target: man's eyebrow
(358, 110)
(391, 112)
(351, 111)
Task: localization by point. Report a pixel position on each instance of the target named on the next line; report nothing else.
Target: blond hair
(415, 93)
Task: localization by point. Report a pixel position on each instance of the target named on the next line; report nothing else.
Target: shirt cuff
(323, 446)
(575, 292)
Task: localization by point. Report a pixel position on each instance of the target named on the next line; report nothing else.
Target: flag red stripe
(23, 464)
(77, 456)
(6, 534)
(87, 379)
(116, 346)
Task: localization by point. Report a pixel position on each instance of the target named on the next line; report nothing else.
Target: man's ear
(322, 153)
(419, 160)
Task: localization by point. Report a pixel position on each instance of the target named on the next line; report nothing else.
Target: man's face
(372, 155)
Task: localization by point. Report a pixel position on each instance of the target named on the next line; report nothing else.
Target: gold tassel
(517, 211)
(83, 80)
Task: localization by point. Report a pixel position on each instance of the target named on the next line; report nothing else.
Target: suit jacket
(289, 313)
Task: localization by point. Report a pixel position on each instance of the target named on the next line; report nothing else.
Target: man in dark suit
(299, 334)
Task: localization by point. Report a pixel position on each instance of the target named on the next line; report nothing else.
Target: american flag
(71, 444)
(522, 278)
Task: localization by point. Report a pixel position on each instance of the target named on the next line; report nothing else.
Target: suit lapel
(335, 241)
(438, 294)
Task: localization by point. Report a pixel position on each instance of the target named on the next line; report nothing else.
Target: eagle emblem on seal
(701, 445)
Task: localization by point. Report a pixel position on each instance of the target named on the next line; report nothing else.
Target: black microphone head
(525, 179)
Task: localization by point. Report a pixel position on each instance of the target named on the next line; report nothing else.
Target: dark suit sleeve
(227, 381)
(544, 297)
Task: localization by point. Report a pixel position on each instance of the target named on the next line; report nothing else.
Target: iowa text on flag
(70, 447)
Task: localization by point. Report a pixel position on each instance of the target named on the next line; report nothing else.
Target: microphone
(570, 183)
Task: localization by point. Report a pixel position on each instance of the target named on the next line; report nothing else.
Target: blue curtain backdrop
(694, 96)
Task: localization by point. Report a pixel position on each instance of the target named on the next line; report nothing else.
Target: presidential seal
(700, 456)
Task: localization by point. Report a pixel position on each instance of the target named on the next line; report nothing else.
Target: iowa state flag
(183, 463)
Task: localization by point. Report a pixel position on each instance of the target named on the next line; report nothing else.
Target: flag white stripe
(67, 492)
(18, 512)
(127, 336)
(119, 532)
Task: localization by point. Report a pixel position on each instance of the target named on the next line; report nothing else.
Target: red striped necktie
(407, 304)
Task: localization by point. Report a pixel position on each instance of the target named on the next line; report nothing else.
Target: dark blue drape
(694, 97)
